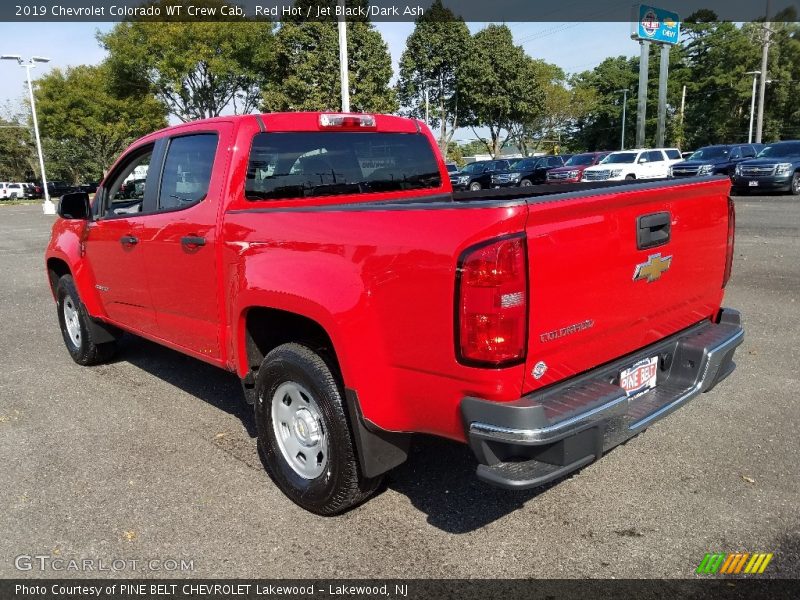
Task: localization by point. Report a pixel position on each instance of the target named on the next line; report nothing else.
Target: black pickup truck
(775, 169)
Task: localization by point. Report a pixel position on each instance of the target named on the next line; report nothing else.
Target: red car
(572, 171)
(324, 259)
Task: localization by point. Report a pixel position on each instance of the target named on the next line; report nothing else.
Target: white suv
(630, 164)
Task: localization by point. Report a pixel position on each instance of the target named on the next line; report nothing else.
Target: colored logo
(734, 563)
(652, 268)
(650, 22)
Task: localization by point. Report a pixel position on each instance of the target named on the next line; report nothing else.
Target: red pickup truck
(325, 260)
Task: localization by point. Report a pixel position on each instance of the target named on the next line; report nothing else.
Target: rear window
(309, 164)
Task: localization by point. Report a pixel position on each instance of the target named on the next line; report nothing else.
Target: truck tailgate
(596, 296)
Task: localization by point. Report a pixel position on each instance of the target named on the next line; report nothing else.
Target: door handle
(128, 240)
(193, 240)
(653, 230)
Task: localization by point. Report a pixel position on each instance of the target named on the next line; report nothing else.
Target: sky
(574, 47)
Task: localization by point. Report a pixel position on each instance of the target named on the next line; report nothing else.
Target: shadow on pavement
(210, 384)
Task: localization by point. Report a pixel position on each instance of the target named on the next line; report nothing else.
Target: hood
(568, 169)
(771, 160)
(699, 163)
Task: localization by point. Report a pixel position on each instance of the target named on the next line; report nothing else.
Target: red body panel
(381, 280)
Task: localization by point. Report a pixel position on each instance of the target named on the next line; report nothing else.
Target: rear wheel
(304, 434)
(474, 186)
(75, 325)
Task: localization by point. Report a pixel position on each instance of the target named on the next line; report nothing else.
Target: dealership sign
(653, 24)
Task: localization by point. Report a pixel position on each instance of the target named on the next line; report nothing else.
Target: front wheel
(525, 183)
(75, 326)
(304, 435)
(474, 186)
(630, 177)
(795, 189)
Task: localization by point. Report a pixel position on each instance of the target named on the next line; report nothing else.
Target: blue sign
(656, 25)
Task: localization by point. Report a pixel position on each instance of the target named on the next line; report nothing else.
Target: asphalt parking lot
(154, 457)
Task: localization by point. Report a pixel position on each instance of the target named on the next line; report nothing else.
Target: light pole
(755, 75)
(624, 106)
(48, 207)
(344, 75)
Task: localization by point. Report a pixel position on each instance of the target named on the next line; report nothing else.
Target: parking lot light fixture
(48, 207)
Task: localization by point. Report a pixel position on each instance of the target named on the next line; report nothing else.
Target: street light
(48, 207)
(755, 75)
(624, 106)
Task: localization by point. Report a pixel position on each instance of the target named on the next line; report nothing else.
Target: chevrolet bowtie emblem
(652, 268)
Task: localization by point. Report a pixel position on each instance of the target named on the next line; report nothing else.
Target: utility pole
(755, 75)
(48, 207)
(427, 107)
(624, 106)
(683, 106)
(763, 83)
(344, 74)
(641, 111)
(662, 96)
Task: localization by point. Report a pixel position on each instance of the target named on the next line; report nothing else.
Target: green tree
(499, 87)
(84, 126)
(306, 68)
(18, 156)
(434, 55)
(197, 69)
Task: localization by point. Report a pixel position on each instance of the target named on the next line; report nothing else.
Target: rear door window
(187, 170)
(310, 164)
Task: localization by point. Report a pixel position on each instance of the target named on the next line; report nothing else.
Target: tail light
(492, 303)
(731, 238)
(346, 121)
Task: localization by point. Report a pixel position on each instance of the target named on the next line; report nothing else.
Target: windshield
(474, 168)
(785, 149)
(580, 160)
(525, 164)
(619, 157)
(710, 152)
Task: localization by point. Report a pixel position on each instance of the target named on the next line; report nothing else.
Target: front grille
(597, 175)
(501, 178)
(685, 171)
(557, 176)
(758, 171)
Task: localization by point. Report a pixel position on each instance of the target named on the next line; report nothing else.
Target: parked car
(89, 188)
(572, 171)
(630, 164)
(451, 167)
(322, 258)
(715, 160)
(14, 190)
(56, 189)
(527, 171)
(775, 169)
(478, 175)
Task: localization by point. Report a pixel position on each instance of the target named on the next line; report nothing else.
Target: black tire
(630, 177)
(83, 350)
(341, 485)
(794, 188)
(525, 183)
(474, 186)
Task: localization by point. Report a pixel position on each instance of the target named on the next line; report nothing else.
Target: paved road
(152, 457)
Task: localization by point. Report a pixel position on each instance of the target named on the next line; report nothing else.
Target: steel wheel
(72, 322)
(299, 431)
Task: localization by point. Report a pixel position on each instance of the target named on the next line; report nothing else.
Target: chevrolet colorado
(324, 259)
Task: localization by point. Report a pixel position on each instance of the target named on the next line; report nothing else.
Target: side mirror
(75, 206)
(642, 160)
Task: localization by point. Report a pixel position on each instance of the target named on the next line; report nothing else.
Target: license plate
(752, 183)
(639, 378)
